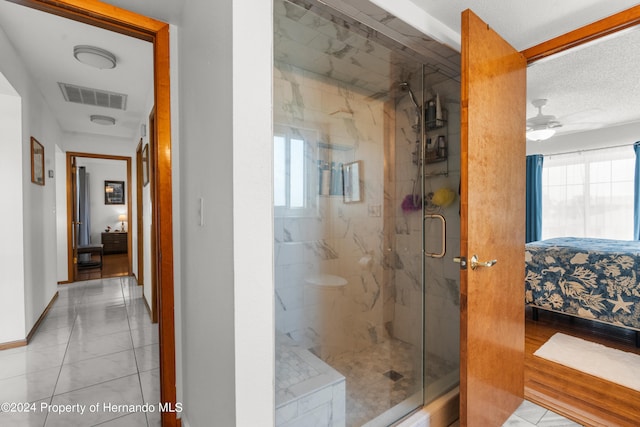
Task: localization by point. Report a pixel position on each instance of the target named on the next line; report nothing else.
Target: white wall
(225, 159)
(102, 215)
(11, 253)
(38, 202)
(207, 252)
(61, 214)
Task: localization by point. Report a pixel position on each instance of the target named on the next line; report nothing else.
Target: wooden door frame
(153, 191)
(74, 155)
(620, 21)
(109, 17)
(139, 215)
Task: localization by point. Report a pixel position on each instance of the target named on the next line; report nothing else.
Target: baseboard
(146, 304)
(12, 344)
(135, 276)
(41, 318)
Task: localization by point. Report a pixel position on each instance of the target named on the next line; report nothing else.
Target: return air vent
(96, 97)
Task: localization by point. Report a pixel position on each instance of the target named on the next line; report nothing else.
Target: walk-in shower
(366, 316)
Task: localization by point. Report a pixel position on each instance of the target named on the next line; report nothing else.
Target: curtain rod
(591, 149)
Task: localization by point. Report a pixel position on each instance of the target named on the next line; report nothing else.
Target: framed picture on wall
(114, 192)
(145, 165)
(37, 162)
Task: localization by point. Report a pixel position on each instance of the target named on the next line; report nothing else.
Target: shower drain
(393, 375)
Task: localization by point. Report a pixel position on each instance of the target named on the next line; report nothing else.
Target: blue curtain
(84, 236)
(533, 230)
(636, 196)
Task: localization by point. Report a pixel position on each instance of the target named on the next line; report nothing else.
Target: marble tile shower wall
(442, 300)
(337, 238)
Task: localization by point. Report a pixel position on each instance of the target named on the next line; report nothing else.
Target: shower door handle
(443, 244)
(475, 263)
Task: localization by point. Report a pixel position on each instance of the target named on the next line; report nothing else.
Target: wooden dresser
(114, 243)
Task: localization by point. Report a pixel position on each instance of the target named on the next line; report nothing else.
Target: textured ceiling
(46, 47)
(592, 86)
(525, 23)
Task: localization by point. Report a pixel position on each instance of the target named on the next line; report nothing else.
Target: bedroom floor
(591, 400)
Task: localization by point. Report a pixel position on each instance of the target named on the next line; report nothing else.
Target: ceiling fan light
(540, 134)
(95, 57)
(103, 120)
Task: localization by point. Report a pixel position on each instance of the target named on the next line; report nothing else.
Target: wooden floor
(114, 265)
(584, 398)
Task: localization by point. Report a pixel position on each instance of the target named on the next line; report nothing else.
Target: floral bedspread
(590, 278)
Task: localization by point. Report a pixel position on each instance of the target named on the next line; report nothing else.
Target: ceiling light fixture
(103, 120)
(95, 57)
(540, 134)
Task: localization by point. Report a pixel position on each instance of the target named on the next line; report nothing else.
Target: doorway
(99, 244)
(125, 22)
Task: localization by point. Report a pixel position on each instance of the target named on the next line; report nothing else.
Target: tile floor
(96, 346)
(529, 414)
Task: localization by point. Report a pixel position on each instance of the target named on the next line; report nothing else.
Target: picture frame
(37, 162)
(114, 193)
(352, 182)
(145, 165)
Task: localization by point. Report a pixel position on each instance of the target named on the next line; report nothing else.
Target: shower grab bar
(444, 236)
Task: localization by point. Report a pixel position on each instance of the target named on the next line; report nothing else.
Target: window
(293, 172)
(589, 194)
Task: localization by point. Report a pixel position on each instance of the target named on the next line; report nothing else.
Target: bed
(595, 279)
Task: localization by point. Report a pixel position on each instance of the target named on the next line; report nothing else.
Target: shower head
(404, 86)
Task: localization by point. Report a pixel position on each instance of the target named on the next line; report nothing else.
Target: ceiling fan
(542, 126)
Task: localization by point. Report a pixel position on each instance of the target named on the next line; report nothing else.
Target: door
(493, 102)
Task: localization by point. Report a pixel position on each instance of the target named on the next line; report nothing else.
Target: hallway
(96, 346)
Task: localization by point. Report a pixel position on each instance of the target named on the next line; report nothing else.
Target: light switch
(201, 212)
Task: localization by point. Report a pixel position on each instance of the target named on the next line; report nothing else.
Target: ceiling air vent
(96, 97)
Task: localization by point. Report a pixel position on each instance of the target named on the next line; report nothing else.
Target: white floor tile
(137, 419)
(530, 412)
(29, 387)
(94, 346)
(147, 357)
(31, 359)
(83, 352)
(122, 391)
(24, 419)
(88, 372)
(551, 419)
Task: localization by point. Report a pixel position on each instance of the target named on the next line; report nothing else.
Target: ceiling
(46, 47)
(593, 85)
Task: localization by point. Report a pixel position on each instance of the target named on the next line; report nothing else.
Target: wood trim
(609, 25)
(139, 215)
(98, 14)
(12, 344)
(162, 206)
(584, 398)
(64, 282)
(41, 318)
(153, 241)
(70, 269)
